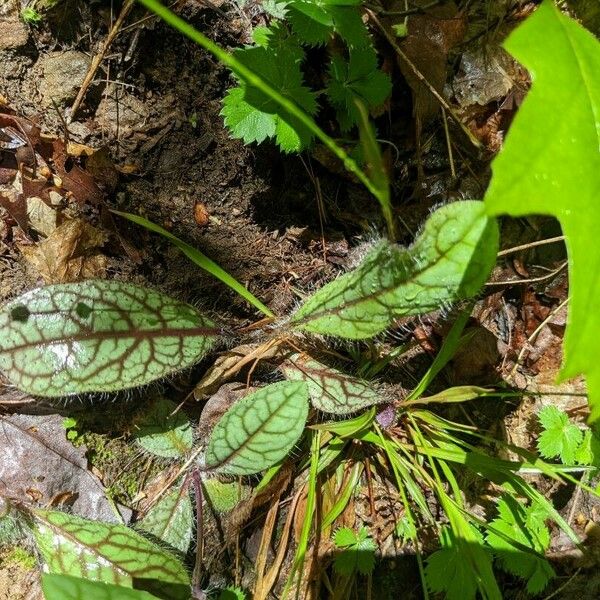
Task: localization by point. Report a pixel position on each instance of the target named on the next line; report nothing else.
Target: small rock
(63, 75)
(13, 32)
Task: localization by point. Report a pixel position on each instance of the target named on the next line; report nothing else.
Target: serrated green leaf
(109, 553)
(315, 21)
(171, 520)
(258, 430)
(550, 164)
(224, 496)
(165, 431)
(526, 527)
(232, 593)
(559, 437)
(66, 587)
(450, 260)
(250, 114)
(358, 552)
(275, 9)
(330, 390)
(588, 452)
(356, 79)
(448, 571)
(98, 336)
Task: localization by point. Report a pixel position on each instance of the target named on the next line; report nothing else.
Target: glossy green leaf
(98, 336)
(164, 431)
(330, 390)
(551, 165)
(171, 520)
(258, 430)
(450, 260)
(224, 496)
(113, 554)
(66, 587)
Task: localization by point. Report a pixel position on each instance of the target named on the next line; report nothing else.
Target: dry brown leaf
(70, 253)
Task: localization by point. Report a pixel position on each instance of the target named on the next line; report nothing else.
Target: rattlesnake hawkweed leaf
(171, 520)
(113, 554)
(449, 261)
(258, 430)
(164, 431)
(98, 336)
(330, 390)
(66, 587)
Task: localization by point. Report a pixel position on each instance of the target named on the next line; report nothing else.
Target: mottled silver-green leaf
(224, 496)
(105, 552)
(450, 260)
(66, 587)
(258, 430)
(330, 390)
(98, 336)
(164, 431)
(171, 520)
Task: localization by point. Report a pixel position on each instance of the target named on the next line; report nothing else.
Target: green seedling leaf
(358, 551)
(559, 437)
(251, 115)
(551, 165)
(164, 431)
(171, 520)
(450, 260)
(588, 452)
(98, 336)
(330, 390)
(527, 528)
(224, 496)
(66, 587)
(111, 554)
(314, 21)
(258, 430)
(356, 79)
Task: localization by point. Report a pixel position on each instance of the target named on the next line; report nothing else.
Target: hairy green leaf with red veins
(524, 525)
(66, 587)
(559, 437)
(449, 261)
(224, 496)
(251, 115)
(356, 79)
(98, 336)
(171, 520)
(551, 165)
(165, 431)
(259, 430)
(330, 390)
(314, 21)
(113, 554)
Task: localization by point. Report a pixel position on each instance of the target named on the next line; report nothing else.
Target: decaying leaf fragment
(70, 253)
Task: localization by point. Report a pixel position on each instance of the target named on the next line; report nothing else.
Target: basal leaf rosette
(450, 260)
(259, 430)
(98, 336)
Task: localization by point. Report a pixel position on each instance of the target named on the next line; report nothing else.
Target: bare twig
(97, 60)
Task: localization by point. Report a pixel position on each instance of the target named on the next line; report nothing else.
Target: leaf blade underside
(550, 165)
(258, 430)
(98, 336)
(449, 261)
